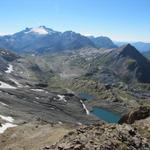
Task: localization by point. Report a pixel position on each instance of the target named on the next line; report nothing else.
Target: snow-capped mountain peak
(41, 30)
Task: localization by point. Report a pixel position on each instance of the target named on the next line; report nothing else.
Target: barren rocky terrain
(41, 107)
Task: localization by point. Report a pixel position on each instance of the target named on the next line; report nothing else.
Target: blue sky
(123, 20)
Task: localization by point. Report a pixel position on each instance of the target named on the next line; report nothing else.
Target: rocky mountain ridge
(141, 46)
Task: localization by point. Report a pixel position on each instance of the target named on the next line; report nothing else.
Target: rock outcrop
(140, 113)
(103, 137)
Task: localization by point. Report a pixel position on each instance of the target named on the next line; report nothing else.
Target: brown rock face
(140, 113)
(103, 137)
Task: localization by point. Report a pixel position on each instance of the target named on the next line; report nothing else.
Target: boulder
(140, 113)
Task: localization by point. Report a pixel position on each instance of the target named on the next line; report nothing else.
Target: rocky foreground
(105, 137)
(41, 135)
(134, 136)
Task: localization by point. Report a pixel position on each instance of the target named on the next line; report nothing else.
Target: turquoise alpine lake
(101, 113)
(106, 115)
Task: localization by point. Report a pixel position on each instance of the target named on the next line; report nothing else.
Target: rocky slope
(103, 137)
(41, 135)
(125, 63)
(118, 78)
(110, 66)
(6, 57)
(109, 136)
(33, 136)
(22, 95)
(23, 104)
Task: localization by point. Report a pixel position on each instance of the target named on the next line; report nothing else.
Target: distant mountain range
(147, 54)
(43, 39)
(102, 42)
(141, 46)
(125, 63)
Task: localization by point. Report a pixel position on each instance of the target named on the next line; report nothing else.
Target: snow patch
(4, 52)
(36, 102)
(4, 85)
(52, 108)
(7, 118)
(79, 123)
(37, 90)
(39, 30)
(32, 55)
(87, 111)
(46, 92)
(16, 82)
(62, 98)
(27, 86)
(9, 69)
(59, 122)
(3, 104)
(6, 126)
